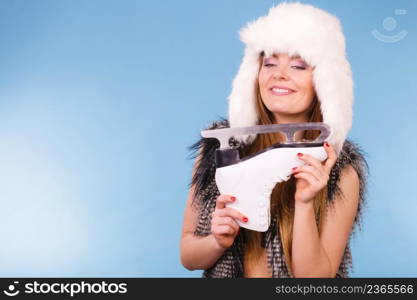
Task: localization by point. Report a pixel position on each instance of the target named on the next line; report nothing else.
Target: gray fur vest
(230, 264)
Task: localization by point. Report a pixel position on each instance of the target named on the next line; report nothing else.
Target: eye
(270, 62)
(299, 67)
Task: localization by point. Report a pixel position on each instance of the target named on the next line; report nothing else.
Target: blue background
(99, 101)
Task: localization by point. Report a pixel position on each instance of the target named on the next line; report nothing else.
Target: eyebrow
(296, 56)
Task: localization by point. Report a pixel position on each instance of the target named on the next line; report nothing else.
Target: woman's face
(286, 87)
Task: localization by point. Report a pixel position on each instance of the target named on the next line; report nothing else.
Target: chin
(279, 109)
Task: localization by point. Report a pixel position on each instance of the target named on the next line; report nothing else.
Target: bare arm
(203, 252)
(320, 256)
(197, 252)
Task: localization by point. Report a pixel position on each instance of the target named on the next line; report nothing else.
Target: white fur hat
(316, 36)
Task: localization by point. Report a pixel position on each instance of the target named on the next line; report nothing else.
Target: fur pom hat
(316, 36)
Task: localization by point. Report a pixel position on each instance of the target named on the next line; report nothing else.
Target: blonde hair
(282, 196)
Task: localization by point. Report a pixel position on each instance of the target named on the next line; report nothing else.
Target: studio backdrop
(100, 100)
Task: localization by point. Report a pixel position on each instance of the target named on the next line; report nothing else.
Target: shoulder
(203, 150)
(217, 124)
(351, 162)
(349, 183)
(352, 154)
(350, 168)
(203, 145)
(348, 173)
(349, 177)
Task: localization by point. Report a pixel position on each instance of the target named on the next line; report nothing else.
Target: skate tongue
(289, 129)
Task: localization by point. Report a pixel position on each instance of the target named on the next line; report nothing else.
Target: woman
(294, 70)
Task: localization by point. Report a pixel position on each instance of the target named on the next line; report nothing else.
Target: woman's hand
(223, 225)
(314, 175)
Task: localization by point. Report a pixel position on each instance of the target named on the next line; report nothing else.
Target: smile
(281, 92)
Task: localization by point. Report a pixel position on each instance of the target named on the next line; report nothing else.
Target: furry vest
(230, 264)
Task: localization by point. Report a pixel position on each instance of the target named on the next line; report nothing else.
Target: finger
(308, 177)
(230, 212)
(228, 221)
(319, 174)
(224, 229)
(223, 199)
(307, 158)
(331, 157)
(225, 221)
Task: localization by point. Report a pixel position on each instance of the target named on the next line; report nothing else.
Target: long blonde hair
(282, 197)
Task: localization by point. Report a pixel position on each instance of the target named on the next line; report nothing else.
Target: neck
(286, 119)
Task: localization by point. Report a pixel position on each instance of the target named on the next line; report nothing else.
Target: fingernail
(326, 144)
(295, 168)
(245, 219)
(233, 198)
(300, 154)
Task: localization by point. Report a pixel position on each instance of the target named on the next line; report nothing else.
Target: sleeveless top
(230, 264)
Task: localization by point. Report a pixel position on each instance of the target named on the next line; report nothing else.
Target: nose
(281, 73)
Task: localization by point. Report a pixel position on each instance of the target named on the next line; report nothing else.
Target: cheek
(262, 78)
(306, 85)
(262, 81)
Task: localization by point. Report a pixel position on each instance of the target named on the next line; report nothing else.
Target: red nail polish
(245, 219)
(295, 168)
(300, 154)
(233, 198)
(326, 144)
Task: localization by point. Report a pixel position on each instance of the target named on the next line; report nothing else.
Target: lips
(281, 90)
